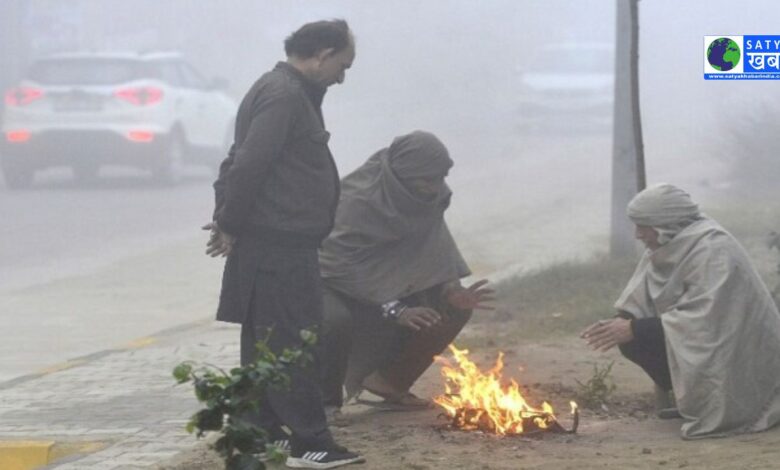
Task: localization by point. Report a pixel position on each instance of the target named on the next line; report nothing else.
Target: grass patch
(562, 299)
(559, 300)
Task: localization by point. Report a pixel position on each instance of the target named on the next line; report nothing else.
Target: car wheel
(18, 176)
(170, 170)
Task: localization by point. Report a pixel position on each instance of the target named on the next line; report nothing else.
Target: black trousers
(356, 341)
(648, 349)
(286, 298)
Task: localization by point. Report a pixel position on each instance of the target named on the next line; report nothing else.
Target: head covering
(387, 242)
(419, 155)
(666, 208)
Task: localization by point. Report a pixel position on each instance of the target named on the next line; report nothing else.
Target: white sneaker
(282, 446)
(323, 459)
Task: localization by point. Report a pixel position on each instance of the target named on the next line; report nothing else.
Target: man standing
(276, 198)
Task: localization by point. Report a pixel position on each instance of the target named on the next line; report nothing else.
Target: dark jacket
(279, 182)
(278, 188)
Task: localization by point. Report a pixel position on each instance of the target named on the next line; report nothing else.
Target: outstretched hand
(472, 297)
(220, 243)
(606, 334)
(419, 318)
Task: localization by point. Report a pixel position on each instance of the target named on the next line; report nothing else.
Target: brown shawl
(387, 242)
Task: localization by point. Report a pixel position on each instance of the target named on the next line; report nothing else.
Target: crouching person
(391, 271)
(698, 319)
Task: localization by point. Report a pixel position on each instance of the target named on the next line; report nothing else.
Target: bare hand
(417, 318)
(606, 334)
(220, 243)
(472, 297)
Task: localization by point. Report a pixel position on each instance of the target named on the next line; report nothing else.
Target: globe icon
(723, 54)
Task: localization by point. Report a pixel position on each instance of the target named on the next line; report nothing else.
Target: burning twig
(476, 401)
(531, 424)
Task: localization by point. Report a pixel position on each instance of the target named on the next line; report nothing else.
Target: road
(88, 269)
(58, 229)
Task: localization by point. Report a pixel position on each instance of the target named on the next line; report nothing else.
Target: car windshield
(88, 71)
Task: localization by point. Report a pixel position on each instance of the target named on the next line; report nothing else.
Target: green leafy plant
(230, 396)
(598, 389)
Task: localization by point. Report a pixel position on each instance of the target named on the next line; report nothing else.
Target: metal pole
(628, 169)
(639, 146)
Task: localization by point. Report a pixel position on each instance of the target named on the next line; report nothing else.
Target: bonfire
(477, 401)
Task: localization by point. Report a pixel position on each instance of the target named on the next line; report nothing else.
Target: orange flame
(477, 401)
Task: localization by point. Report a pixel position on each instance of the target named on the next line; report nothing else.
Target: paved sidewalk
(125, 398)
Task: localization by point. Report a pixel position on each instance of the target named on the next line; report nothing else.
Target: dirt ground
(626, 435)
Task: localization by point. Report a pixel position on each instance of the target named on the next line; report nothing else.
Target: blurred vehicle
(86, 110)
(568, 86)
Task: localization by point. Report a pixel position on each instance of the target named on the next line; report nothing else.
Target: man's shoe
(331, 458)
(394, 400)
(663, 398)
(336, 418)
(405, 401)
(282, 447)
(669, 413)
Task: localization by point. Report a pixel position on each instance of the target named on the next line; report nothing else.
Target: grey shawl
(721, 325)
(388, 243)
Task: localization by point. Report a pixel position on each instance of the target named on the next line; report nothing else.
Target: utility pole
(628, 162)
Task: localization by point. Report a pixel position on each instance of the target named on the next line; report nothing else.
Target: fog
(448, 66)
(524, 195)
(451, 67)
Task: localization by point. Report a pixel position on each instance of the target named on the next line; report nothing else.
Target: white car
(567, 86)
(86, 110)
